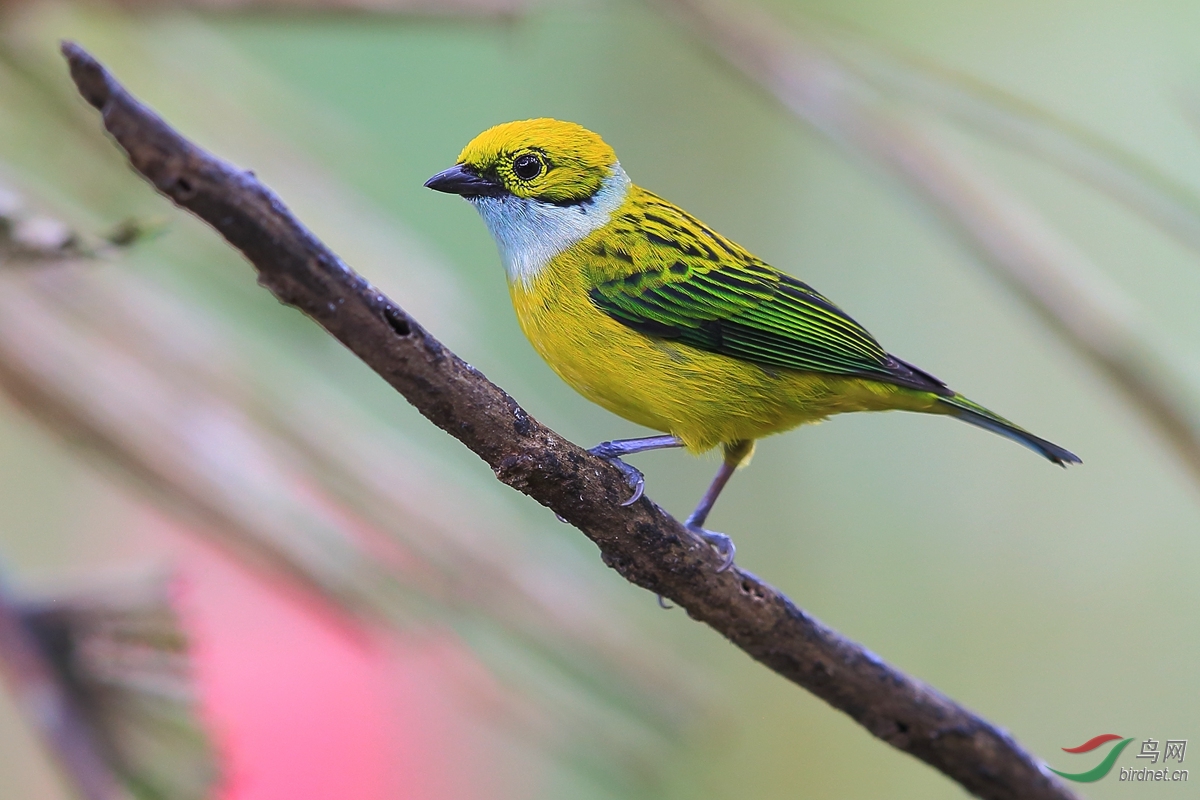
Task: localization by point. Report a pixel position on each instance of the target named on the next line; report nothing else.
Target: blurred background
(1005, 194)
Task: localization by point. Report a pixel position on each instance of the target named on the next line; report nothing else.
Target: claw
(638, 482)
(717, 541)
(633, 475)
(662, 603)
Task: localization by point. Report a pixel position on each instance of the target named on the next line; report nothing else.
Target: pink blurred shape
(305, 704)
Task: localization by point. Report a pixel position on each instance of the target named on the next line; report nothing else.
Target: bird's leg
(612, 452)
(735, 455)
(695, 523)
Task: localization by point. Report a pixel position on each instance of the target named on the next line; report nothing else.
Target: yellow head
(540, 185)
(558, 162)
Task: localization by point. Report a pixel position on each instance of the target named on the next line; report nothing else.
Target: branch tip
(90, 76)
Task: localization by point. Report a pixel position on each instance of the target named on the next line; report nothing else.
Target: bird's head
(540, 185)
(538, 159)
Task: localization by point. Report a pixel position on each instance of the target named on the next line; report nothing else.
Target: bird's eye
(527, 167)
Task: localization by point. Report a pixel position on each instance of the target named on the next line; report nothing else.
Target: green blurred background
(1058, 604)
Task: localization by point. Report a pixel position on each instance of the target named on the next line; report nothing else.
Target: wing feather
(691, 285)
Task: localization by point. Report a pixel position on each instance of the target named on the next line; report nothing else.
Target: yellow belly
(703, 398)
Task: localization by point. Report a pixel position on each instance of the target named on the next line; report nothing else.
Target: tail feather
(962, 408)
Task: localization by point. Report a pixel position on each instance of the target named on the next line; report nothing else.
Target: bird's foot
(637, 481)
(717, 541)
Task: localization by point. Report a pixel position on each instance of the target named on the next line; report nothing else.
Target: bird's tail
(962, 408)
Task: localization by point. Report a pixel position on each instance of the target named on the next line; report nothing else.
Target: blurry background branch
(1013, 121)
(104, 677)
(641, 542)
(27, 238)
(50, 708)
(426, 8)
(1037, 262)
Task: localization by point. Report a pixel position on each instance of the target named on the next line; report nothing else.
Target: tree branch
(642, 542)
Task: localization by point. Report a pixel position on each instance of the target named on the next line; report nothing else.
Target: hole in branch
(396, 318)
(184, 188)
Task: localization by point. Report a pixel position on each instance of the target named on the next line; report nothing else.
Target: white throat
(531, 232)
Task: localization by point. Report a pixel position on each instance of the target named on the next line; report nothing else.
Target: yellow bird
(647, 311)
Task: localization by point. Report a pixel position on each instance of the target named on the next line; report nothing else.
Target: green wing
(691, 285)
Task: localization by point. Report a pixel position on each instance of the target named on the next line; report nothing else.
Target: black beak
(461, 179)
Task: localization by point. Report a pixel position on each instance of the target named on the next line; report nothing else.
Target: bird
(650, 313)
